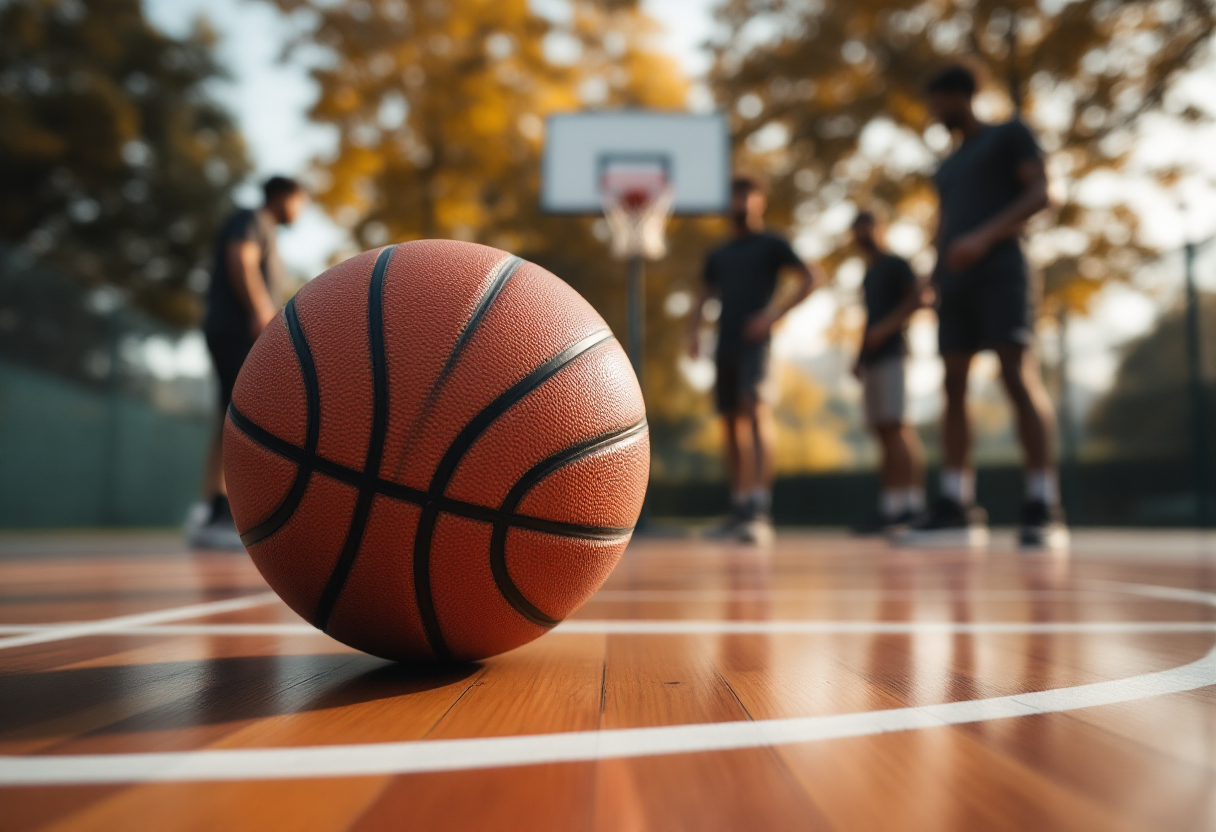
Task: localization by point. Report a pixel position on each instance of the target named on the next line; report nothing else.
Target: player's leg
(218, 530)
(954, 518)
(758, 425)
(914, 488)
(883, 391)
(738, 440)
(1042, 518)
(958, 476)
(764, 434)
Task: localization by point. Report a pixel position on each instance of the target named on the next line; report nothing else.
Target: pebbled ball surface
(436, 452)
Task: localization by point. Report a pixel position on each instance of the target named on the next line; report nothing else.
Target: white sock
(762, 500)
(914, 498)
(958, 484)
(738, 501)
(892, 502)
(1043, 485)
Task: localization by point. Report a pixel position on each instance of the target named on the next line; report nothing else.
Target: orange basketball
(437, 451)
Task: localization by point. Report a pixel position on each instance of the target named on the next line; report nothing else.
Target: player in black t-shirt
(891, 293)
(244, 296)
(991, 184)
(742, 273)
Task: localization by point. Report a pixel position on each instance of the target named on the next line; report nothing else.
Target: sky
(270, 99)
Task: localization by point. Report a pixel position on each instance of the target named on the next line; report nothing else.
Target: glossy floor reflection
(825, 683)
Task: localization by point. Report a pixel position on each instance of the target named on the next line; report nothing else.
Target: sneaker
(1043, 527)
(220, 533)
(729, 527)
(757, 530)
(876, 526)
(947, 524)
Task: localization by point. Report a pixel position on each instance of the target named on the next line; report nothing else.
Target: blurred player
(891, 293)
(742, 273)
(991, 184)
(246, 284)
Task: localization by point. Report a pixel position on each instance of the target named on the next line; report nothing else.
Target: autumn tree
(115, 162)
(439, 112)
(826, 99)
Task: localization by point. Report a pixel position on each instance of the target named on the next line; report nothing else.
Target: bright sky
(270, 99)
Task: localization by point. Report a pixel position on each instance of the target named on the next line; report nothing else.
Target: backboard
(692, 150)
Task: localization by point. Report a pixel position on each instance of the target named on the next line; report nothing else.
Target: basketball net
(637, 204)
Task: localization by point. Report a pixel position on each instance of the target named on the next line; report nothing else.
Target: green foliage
(116, 164)
(827, 101)
(1147, 412)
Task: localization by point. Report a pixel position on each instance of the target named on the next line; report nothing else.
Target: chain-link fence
(104, 412)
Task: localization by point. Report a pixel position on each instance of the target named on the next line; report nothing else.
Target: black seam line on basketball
(505, 268)
(447, 467)
(498, 540)
(499, 275)
(404, 493)
(312, 430)
(375, 445)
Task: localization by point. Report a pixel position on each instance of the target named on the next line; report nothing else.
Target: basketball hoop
(637, 200)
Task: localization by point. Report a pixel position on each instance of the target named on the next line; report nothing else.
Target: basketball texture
(437, 451)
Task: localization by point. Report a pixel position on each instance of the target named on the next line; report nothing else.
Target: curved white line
(124, 623)
(454, 755)
(702, 627)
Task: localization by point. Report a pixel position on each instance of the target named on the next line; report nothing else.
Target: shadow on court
(210, 692)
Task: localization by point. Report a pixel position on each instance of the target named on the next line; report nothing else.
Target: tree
(439, 112)
(827, 100)
(116, 163)
(1147, 412)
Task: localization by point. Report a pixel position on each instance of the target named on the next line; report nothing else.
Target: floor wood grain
(201, 684)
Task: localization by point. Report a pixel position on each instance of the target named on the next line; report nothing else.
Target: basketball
(436, 452)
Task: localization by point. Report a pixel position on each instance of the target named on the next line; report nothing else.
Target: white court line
(708, 627)
(536, 749)
(1168, 593)
(715, 594)
(124, 623)
(455, 755)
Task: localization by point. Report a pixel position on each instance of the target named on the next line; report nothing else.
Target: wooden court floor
(821, 684)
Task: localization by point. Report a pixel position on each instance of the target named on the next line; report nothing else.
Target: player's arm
(968, 249)
(696, 317)
(810, 277)
(245, 271)
(893, 323)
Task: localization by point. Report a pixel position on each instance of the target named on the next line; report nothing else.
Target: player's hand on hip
(760, 325)
(966, 251)
(928, 296)
(694, 345)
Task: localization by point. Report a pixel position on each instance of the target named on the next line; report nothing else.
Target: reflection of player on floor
(246, 284)
(891, 295)
(989, 187)
(742, 273)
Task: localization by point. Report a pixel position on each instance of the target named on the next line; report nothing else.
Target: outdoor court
(824, 683)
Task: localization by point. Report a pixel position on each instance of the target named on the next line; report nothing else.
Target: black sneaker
(730, 527)
(947, 524)
(880, 524)
(1043, 526)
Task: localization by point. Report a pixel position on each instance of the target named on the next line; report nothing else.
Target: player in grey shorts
(891, 293)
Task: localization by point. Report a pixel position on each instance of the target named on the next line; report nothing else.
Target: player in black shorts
(991, 184)
(742, 273)
(244, 296)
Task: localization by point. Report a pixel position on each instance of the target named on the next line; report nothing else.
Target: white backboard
(694, 149)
